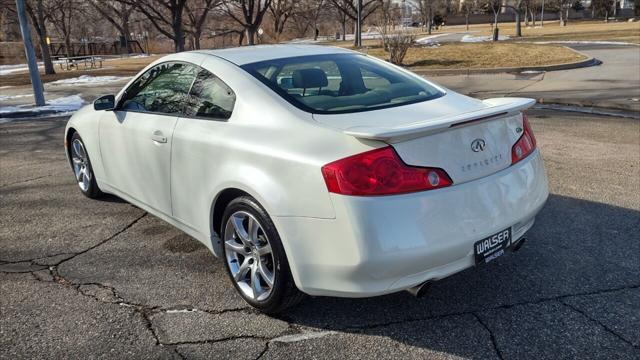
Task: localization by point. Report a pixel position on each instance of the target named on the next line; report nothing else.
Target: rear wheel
(255, 259)
(82, 168)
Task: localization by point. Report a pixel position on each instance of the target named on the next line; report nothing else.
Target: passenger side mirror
(107, 102)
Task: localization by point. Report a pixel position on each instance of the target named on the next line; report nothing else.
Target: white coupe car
(315, 170)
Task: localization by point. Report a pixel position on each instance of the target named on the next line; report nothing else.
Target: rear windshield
(340, 83)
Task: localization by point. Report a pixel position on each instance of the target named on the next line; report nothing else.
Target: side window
(373, 80)
(210, 97)
(162, 89)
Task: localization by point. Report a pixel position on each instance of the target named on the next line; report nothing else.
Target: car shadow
(576, 247)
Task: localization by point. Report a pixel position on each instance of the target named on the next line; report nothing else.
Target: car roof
(251, 54)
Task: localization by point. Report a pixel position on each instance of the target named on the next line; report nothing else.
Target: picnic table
(89, 62)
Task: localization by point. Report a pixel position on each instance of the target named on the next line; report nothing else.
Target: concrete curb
(591, 61)
(589, 110)
(584, 103)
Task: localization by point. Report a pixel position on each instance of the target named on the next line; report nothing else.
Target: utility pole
(359, 25)
(38, 93)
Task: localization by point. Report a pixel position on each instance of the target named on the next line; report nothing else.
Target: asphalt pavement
(82, 278)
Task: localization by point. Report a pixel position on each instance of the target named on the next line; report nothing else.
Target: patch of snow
(8, 97)
(10, 69)
(532, 72)
(476, 39)
(61, 106)
(5, 87)
(181, 311)
(88, 79)
(302, 337)
(429, 39)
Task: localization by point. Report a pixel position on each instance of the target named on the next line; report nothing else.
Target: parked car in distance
(315, 170)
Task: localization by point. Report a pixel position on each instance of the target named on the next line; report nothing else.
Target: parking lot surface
(81, 278)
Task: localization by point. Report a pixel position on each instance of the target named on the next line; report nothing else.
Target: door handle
(158, 137)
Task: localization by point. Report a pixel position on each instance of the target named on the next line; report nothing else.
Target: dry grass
(575, 30)
(114, 67)
(483, 55)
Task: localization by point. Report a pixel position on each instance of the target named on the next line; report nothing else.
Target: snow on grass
(475, 39)
(9, 97)
(88, 80)
(60, 106)
(427, 40)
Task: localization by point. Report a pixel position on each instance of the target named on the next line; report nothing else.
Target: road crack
(494, 342)
(605, 327)
(24, 181)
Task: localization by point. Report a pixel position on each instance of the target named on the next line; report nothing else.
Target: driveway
(81, 278)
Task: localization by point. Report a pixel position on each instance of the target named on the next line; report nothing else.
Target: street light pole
(359, 25)
(38, 93)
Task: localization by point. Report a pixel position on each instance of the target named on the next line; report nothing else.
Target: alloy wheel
(80, 162)
(249, 256)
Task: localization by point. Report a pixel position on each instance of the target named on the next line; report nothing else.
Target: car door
(198, 148)
(136, 138)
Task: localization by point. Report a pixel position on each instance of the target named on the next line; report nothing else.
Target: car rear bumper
(379, 245)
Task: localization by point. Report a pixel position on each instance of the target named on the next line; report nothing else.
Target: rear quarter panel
(267, 148)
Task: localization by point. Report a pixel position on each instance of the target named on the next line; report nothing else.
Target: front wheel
(82, 168)
(255, 259)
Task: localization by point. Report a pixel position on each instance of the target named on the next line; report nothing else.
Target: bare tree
(281, 11)
(397, 44)
(563, 11)
(517, 9)
(349, 9)
(249, 14)
(467, 6)
(427, 8)
(38, 15)
(166, 17)
(117, 14)
(197, 12)
(62, 14)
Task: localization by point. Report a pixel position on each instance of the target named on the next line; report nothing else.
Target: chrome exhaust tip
(519, 244)
(419, 290)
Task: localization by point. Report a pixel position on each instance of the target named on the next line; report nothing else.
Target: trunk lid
(468, 138)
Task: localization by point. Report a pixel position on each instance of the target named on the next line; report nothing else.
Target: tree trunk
(241, 38)
(178, 32)
(430, 22)
(67, 45)
(562, 23)
(533, 18)
(344, 29)
(251, 36)
(196, 39)
(125, 33)
(518, 24)
(42, 36)
(466, 21)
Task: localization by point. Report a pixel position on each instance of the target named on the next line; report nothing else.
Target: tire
(82, 170)
(247, 257)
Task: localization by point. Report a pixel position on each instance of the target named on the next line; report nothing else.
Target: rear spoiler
(495, 107)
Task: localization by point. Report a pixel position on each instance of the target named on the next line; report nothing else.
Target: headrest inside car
(309, 78)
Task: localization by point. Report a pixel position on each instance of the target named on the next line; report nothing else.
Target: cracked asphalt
(81, 278)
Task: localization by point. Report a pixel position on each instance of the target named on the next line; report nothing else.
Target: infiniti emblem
(478, 145)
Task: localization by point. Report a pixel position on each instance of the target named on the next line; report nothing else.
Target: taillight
(380, 172)
(526, 144)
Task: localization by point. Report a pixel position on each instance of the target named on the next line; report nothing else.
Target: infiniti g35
(315, 170)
